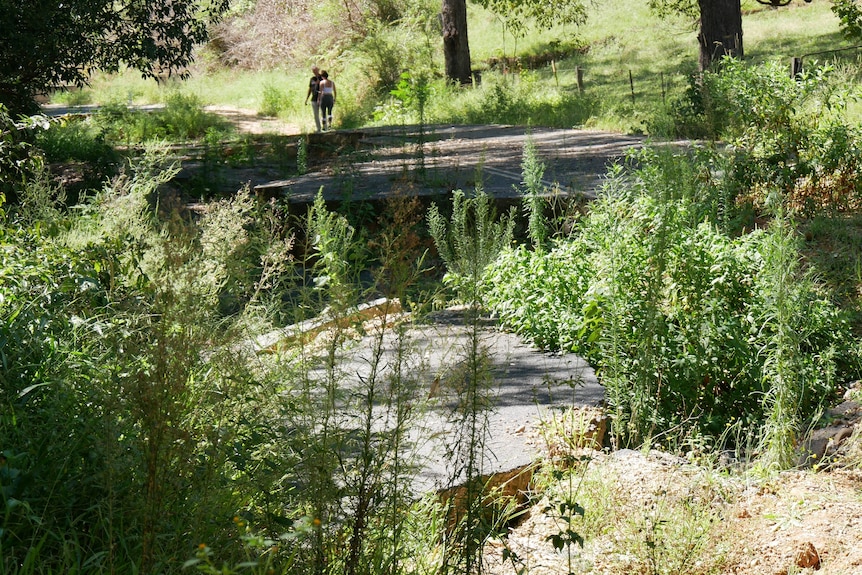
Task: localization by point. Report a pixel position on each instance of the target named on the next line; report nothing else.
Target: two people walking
(321, 91)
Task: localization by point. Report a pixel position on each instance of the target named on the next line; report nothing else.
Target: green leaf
(30, 388)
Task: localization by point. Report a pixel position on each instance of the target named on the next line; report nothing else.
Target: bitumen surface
(519, 386)
(434, 160)
(526, 386)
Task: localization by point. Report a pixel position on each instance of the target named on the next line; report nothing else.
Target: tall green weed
(136, 368)
(470, 240)
(653, 290)
(798, 349)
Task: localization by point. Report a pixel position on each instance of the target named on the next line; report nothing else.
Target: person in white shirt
(327, 99)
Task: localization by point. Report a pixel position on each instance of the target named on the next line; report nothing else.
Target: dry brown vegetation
(273, 34)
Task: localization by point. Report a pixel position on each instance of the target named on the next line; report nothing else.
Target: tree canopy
(518, 13)
(50, 43)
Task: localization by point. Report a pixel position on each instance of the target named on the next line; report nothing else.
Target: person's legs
(315, 106)
(326, 106)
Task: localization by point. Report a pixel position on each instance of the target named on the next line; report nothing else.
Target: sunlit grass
(633, 67)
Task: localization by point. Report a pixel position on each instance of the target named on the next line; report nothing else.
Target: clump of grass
(273, 101)
(181, 119)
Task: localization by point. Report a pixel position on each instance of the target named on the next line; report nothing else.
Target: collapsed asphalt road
(434, 160)
(527, 384)
(523, 386)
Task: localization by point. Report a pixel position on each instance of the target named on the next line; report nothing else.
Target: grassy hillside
(633, 66)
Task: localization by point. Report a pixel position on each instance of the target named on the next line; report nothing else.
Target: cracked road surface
(391, 159)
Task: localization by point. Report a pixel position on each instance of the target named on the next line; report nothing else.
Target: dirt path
(249, 122)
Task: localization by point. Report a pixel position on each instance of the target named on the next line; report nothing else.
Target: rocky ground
(650, 512)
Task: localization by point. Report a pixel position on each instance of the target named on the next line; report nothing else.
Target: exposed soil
(249, 122)
(667, 515)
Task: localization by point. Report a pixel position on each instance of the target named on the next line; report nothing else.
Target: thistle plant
(533, 170)
(471, 240)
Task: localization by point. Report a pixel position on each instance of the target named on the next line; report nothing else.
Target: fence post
(580, 73)
(663, 102)
(554, 68)
(795, 67)
(632, 85)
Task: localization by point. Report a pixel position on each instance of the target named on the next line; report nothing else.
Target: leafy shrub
(75, 140)
(19, 159)
(73, 97)
(850, 16)
(274, 101)
(182, 118)
(78, 157)
(788, 140)
(387, 48)
(691, 114)
(139, 423)
(670, 308)
(535, 293)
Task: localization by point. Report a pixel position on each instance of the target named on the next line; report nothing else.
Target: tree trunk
(720, 30)
(456, 49)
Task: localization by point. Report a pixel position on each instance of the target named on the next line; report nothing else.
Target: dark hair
(324, 74)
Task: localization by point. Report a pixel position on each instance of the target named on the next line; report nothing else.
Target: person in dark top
(314, 94)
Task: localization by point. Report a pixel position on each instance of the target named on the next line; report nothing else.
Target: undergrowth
(185, 392)
(692, 322)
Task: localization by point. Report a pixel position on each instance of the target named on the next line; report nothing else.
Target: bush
(20, 161)
(116, 394)
(788, 140)
(181, 119)
(274, 101)
(76, 140)
(672, 310)
(470, 241)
